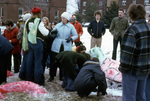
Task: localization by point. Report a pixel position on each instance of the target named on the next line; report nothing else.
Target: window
(100, 3)
(100, 11)
(134, 1)
(123, 2)
(111, 2)
(84, 3)
(56, 13)
(83, 12)
(2, 12)
(20, 12)
(124, 10)
(146, 2)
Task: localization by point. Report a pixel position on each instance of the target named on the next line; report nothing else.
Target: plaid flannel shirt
(135, 49)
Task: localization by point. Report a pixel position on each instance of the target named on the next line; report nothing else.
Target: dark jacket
(5, 46)
(135, 49)
(97, 28)
(89, 77)
(68, 60)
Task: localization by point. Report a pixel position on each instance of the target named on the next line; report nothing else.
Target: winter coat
(89, 77)
(135, 49)
(5, 46)
(68, 60)
(118, 26)
(12, 35)
(20, 34)
(97, 28)
(64, 32)
(79, 30)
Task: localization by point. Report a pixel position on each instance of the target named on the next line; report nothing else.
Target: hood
(91, 62)
(12, 27)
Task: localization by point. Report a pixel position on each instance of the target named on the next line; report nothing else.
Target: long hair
(47, 22)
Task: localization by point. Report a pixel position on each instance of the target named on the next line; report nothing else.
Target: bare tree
(28, 3)
(36, 3)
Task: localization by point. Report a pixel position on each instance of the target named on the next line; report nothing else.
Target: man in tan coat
(117, 28)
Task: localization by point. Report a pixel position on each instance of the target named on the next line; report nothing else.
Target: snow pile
(22, 86)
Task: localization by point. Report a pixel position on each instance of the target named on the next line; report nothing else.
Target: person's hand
(10, 41)
(92, 33)
(54, 31)
(68, 39)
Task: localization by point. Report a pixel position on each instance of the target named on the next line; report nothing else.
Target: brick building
(13, 9)
(101, 6)
(126, 3)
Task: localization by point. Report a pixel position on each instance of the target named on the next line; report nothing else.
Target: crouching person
(67, 60)
(89, 77)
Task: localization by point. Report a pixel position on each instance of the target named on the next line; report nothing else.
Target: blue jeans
(22, 73)
(147, 89)
(133, 87)
(68, 83)
(35, 58)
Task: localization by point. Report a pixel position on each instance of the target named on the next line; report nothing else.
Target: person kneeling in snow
(89, 77)
(67, 60)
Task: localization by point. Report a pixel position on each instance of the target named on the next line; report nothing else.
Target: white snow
(107, 43)
(72, 6)
(107, 47)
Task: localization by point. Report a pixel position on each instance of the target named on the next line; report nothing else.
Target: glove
(54, 31)
(68, 39)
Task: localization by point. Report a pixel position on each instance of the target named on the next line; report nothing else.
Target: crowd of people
(42, 44)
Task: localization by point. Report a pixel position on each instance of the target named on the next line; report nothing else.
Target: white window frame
(83, 12)
(56, 11)
(146, 2)
(124, 10)
(19, 10)
(2, 12)
(134, 1)
(100, 3)
(84, 3)
(123, 2)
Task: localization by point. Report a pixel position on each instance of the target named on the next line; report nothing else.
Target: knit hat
(77, 48)
(66, 15)
(26, 16)
(73, 17)
(36, 10)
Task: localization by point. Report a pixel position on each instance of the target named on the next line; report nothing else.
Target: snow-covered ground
(107, 43)
(107, 47)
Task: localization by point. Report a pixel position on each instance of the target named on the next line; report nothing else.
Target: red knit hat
(77, 48)
(36, 10)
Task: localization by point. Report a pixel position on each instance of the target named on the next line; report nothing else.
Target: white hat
(26, 16)
(66, 15)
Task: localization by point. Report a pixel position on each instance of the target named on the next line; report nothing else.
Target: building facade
(13, 9)
(124, 4)
(101, 6)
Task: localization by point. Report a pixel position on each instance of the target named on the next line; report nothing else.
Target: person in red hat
(78, 28)
(36, 32)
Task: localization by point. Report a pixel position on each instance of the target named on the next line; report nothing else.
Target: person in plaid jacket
(135, 55)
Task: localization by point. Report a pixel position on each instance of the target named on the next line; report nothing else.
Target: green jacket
(68, 60)
(118, 27)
